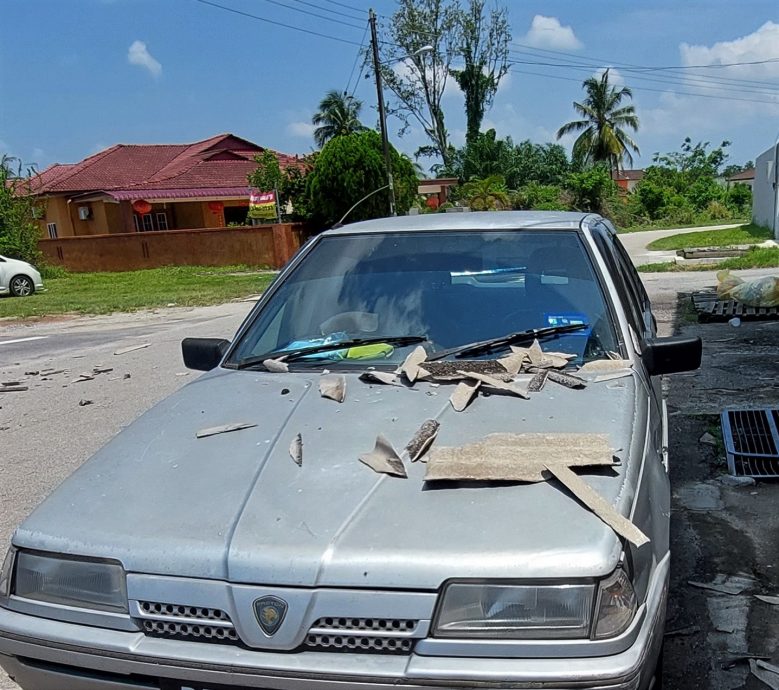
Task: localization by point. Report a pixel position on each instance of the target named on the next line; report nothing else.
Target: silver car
(18, 278)
(267, 526)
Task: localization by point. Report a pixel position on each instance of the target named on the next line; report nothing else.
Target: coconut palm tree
(338, 115)
(603, 137)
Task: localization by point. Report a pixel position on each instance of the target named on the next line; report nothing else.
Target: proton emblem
(270, 613)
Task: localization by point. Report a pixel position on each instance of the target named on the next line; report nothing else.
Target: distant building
(765, 190)
(131, 188)
(627, 179)
(436, 192)
(746, 177)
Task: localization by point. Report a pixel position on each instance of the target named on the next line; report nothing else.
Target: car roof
(485, 220)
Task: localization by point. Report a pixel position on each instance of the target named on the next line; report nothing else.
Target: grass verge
(664, 225)
(728, 237)
(757, 257)
(103, 293)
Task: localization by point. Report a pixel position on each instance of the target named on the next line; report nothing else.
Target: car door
(4, 277)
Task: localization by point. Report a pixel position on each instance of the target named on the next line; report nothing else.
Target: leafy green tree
(591, 188)
(603, 137)
(338, 114)
(694, 161)
(484, 49)
(489, 194)
(422, 38)
(348, 169)
(19, 211)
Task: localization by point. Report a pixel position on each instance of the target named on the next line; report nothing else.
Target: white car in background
(18, 278)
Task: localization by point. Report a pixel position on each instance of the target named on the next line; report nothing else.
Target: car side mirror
(671, 355)
(203, 354)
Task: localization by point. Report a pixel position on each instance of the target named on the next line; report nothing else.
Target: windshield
(447, 288)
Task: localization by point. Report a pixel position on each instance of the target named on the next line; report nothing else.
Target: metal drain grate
(711, 308)
(752, 442)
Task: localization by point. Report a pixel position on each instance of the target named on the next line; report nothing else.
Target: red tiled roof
(627, 175)
(748, 174)
(222, 161)
(204, 192)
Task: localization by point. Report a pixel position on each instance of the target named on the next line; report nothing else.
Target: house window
(52, 228)
(162, 221)
(148, 223)
(136, 222)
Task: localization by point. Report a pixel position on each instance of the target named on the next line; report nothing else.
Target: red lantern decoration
(216, 206)
(141, 206)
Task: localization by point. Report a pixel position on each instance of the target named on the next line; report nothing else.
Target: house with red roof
(627, 179)
(130, 188)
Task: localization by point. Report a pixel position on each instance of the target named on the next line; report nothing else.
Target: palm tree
(338, 115)
(489, 194)
(603, 137)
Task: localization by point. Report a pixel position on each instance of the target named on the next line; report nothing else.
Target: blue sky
(77, 76)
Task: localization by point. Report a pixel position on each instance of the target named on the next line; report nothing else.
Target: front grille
(195, 623)
(751, 442)
(373, 635)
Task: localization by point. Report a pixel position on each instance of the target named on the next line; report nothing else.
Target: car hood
(235, 506)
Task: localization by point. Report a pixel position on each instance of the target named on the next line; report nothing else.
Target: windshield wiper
(292, 355)
(504, 341)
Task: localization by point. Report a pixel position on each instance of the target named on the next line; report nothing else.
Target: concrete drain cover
(752, 442)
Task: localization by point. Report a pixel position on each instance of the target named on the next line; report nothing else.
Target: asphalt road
(47, 431)
(636, 243)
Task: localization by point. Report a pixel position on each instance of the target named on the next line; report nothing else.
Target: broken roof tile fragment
(422, 439)
(333, 386)
(463, 394)
(384, 459)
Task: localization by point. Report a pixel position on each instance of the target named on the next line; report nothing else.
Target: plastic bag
(760, 292)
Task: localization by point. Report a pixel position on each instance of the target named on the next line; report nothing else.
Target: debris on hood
(385, 377)
(513, 362)
(600, 378)
(223, 429)
(535, 457)
(333, 386)
(452, 371)
(602, 366)
(495, 384)
(410, 367)
(296, 450)
(774, 601)
(567, 380)
(131, 348)
(597, 504)
(463, 394)
(422, 439)
(384, 459)
(276, 366)
(537, 382)
(517, 457)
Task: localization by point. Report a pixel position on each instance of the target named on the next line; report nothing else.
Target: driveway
(636, 242)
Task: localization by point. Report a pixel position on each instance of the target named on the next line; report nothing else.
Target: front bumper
(44, 654)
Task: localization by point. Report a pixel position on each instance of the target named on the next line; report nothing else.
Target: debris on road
(84, 403)
(768, 673)
(683, 632)
(83, 377)
(12, 389)
(101, 370)
(131, 348)
(223, 429)
(296, 450)
(723, 584)
(707, 439)
(743, 659)
(730, 480)
(774, 601)
(384, 459)
(333, 387)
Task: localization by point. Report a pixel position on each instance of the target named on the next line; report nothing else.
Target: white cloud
(139, 55)
(300, 129)
(547, 32)
(615, 76)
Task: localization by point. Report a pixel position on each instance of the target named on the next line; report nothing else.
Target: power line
(646, 88)
(632, 66)
(343, 4)
(325, 9)
(276, 23)
(659, 79)
(312, 14)
(356, 58)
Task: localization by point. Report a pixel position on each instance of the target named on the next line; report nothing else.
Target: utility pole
(382, 112)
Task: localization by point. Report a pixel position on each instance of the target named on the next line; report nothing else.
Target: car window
(452, 288)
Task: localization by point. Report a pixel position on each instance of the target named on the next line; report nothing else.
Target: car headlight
(5, 573)
(516, 611)
(69, 581)
(616, 605)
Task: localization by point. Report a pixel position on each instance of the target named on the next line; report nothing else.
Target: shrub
(716, 210)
